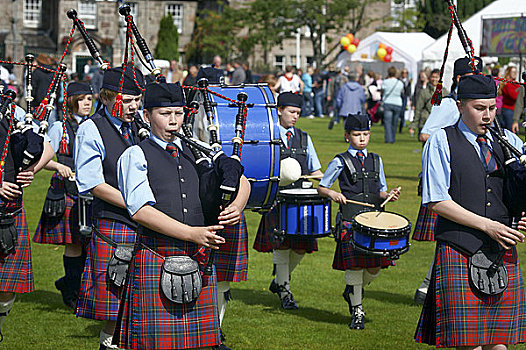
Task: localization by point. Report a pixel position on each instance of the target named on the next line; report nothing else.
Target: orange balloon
(381, 46)
(350, 37)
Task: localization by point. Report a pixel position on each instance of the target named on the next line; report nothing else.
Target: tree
(167, 47)
(435, 14)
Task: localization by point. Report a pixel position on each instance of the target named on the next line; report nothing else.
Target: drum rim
(393, 254)
(383, 232)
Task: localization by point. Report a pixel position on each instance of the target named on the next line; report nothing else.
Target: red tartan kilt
(266, 243)
(231, 260)
(148, 320)
(98, 297)
(425, 225)
(454, 316)
(63, 230)
(346, 257)
(16, 271)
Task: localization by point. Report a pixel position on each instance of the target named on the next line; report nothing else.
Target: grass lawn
(254, 318)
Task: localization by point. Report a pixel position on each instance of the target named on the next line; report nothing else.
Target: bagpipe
(515, 171)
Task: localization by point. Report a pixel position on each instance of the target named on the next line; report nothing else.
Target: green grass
(254, 319)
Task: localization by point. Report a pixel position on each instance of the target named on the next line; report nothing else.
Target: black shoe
(357, 318)
(288, 302)
(222, 347)
(102, 347)
(331, 124)
(420, 297)
(274, 288)
(69, 297)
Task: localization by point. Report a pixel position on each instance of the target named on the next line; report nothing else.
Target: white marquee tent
(407, 49)
(434, 53)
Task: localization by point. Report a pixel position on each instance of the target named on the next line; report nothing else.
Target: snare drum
(260, 152)
(302, 212)
(381, 233)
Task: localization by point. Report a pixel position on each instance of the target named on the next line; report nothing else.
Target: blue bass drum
(303, 212)
(381, 233)
(260, 152)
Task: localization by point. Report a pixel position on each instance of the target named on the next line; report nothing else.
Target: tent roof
(473, 27)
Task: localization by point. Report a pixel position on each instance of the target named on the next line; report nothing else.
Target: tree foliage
(167, 47)
(437, 19)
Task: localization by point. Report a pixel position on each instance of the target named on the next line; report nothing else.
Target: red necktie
(361, 157)
(289, 135)
(125, 132)
(172, 149)
(485, 155)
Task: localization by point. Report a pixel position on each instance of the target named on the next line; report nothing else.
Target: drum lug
(276, 142)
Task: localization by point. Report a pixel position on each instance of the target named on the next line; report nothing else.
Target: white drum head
(381, 220)
(299, 192)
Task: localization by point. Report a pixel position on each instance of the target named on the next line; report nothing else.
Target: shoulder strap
(347, 160)
(303, 138)
(376, 162)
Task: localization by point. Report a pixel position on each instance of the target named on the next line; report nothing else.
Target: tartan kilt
(425, 225)
(265, 241)
(453, 315)
(98, 297)
(231, 260)
(148, 320)
(63, 230)
(16, 270)
(346, 257)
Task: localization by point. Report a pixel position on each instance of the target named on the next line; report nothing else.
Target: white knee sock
(354, 278)
(223, 288)
(106, 340)
(5, 307)
(294, 260)
(369, 277)
(281, 260)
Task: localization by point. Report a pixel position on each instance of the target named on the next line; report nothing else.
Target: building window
(88, 14)
(176, 10)
(310, 60)
(32, 13)
(279, 62)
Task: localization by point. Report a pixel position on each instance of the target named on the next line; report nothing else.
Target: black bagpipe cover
(515, 188)
(226, 171)
(27, 141)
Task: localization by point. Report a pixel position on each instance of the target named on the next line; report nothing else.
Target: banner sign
(503, 36)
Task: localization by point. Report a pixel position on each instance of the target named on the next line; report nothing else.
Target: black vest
(360, 183)
(71, 129)
(175, 186)
(115, 145)
(475, 191)
(297, 150)
(9, 167)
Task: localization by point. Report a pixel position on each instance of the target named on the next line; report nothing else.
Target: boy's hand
(338, 197)
(396, 194)
(231, 215)
(206, 236)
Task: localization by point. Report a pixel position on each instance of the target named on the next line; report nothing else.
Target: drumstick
(389, 197)
(359, 203)
(311, 176)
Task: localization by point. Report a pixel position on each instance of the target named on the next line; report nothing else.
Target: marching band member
(361, 177)
(16, 271)
(160, 183)
(288, 252)
(441, 116)
(463, 183)
(59, 220)
(99, 143)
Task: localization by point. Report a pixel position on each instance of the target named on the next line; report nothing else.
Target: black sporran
(119, 263)
(487, 273)
(55, 203)
(8, 235)
(181, 279)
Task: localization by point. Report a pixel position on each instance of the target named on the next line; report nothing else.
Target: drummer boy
(361, 178)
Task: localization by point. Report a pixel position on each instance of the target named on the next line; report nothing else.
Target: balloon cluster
(384, 52)
(349, 43)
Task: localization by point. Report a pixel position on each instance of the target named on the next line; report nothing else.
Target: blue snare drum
(260, 152)
(302, 212)
(381, 233)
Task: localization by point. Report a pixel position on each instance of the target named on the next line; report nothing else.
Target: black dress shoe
(288, 302)
(274, 288)
(69, 297)
(357, 318)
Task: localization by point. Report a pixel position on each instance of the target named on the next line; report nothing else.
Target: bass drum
(260, 151)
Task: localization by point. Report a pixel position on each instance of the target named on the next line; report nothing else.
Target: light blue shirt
(89, 152)
(132, 176)
(336, 166)
(55, 133)
(392, 91)
(436, 160)
(441, 116)
(313, 163)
